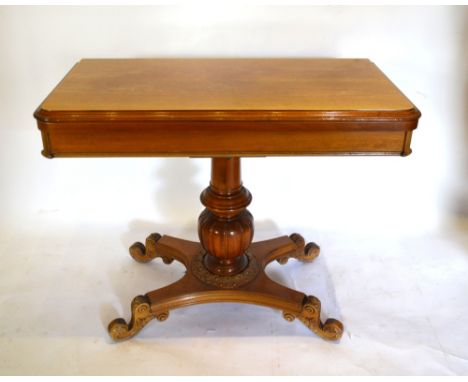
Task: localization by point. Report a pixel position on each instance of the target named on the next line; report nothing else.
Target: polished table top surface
(226, 84)
(224, 107)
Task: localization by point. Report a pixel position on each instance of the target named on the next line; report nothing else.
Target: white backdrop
(420, 49)
(82, 206)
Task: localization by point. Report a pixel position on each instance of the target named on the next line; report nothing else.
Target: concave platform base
(199, 285)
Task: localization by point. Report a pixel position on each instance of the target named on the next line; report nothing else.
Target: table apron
(211, 139)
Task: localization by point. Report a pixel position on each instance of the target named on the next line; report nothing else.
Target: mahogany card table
(225, 109)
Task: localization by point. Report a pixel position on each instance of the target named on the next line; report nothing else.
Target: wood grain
(253, 286)
(218, 107)
(226, 84)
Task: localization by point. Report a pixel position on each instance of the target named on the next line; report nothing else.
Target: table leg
(225, 266)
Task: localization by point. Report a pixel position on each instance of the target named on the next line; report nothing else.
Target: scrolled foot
(310, 253)
(306, 253)
(146, 253)
(141, 314)
(330, 330)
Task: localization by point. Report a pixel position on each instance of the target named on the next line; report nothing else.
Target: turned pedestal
(225, 266)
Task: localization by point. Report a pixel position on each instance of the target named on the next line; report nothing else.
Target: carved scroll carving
(306, 253)
(310, 316)
(141, 315)
(146, 253)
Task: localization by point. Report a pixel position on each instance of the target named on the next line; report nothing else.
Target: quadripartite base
(199, 286)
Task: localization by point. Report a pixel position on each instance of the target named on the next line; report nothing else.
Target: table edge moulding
(223, 125)
(225, 109)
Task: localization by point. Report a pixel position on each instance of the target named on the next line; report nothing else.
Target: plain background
(393, 230)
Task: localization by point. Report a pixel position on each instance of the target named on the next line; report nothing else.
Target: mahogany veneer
(225, 109)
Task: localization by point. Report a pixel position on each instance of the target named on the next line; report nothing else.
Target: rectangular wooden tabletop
(224, 107)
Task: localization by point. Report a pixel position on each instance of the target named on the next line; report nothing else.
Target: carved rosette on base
(225, 282)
